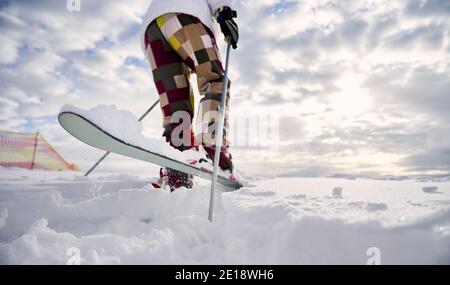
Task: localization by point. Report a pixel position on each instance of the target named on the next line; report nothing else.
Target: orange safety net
(30, 151)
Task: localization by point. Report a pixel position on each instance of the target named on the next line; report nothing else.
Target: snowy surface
(119, 219)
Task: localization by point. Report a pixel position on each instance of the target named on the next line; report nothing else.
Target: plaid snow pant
(178, 44)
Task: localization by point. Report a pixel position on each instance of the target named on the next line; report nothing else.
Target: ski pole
(219, 134)
(108, 152)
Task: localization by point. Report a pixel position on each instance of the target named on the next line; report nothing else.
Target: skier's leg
(171, 76)
(196, 45)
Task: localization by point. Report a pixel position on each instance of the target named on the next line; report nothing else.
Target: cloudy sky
(360, 87)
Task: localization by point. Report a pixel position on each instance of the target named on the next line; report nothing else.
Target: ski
(88, 132)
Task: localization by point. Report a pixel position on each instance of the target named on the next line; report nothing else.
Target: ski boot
(175, 179)
(225, 161)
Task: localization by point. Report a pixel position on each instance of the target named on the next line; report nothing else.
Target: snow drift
(115, 219)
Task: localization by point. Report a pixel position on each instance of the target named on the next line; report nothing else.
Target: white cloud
(8, 50)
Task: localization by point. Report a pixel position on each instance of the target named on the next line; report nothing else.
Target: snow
(126, 126)
(119, 219)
